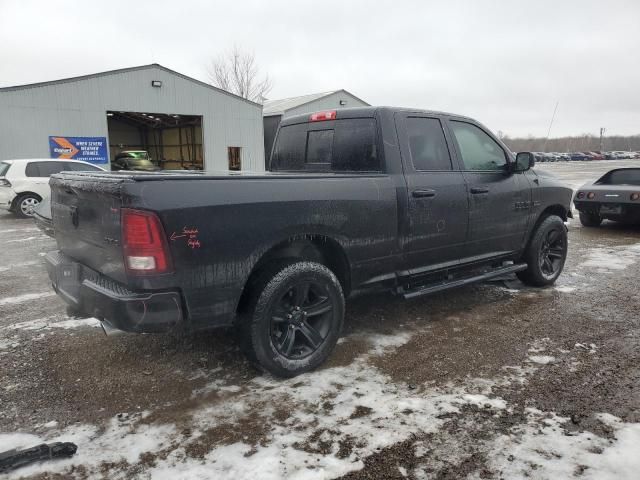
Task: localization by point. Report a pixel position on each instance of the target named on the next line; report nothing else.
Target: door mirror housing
(524, 161)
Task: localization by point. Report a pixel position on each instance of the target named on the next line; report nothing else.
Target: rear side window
(427, 144)
(4, 168)
(45, 169)
(349, 146)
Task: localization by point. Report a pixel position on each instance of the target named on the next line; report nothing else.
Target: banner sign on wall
(87, 149)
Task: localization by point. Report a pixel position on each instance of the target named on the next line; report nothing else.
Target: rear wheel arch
(317, 248)
(24, 194)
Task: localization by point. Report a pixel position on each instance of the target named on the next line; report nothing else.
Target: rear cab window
(342, 145)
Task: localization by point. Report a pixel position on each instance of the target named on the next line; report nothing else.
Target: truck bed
(219, 225)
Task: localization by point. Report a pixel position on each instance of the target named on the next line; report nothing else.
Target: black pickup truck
(354, 200)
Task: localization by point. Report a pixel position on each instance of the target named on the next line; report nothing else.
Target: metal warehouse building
(181, 122)
(275, 110)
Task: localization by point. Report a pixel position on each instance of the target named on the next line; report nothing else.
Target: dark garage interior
(172, 141)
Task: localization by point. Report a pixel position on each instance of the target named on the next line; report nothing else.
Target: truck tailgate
(85, 209)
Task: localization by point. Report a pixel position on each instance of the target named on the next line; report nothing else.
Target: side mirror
(524, 161)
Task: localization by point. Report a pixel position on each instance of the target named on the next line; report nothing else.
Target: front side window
(427, 144)
(478, 150)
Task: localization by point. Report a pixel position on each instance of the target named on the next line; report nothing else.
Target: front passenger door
(498, 200)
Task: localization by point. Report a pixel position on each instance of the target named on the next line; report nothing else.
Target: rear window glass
(351, 145)
(621, 177)
(45, 169)
(82, 167)
(4, 168)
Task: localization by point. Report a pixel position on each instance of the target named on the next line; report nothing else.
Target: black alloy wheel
(301, 320)
(292, 318)
(545, 253)
(552, 253)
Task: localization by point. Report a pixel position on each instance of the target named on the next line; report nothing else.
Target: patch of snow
(541, 359)
(22, 230)
(607, 259)
(565, 289)
(383, 343)
(51, 424)
(18, 265)
(24, 298)
(28, 239)
(6, 344)
(9, 441)
(50, 322)
(482, 401)
(591, 348)
(94, 447)
(541, 450)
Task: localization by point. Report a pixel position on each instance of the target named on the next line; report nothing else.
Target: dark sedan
(614, 196)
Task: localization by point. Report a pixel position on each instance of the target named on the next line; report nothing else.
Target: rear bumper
(6, 197)
(97, 295)
(611, 210)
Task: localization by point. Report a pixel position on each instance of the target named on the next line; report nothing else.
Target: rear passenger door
(498, 200)
(437, 196)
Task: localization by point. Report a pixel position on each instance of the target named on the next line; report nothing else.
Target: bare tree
(236, 71)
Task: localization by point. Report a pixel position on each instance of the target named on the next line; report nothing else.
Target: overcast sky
(505, 63)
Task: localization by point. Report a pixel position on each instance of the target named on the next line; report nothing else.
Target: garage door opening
(170, 141)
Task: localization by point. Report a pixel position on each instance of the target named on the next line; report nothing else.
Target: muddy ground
(488, 381)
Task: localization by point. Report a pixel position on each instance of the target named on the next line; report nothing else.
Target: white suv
(24, 183)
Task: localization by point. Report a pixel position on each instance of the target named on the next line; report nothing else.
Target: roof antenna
(544, 149)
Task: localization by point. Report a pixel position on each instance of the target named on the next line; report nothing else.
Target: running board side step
(463, 281)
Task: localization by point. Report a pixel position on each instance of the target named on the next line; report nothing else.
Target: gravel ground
(489, 381)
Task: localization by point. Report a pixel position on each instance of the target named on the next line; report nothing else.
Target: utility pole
(602, 131)
(544, 148)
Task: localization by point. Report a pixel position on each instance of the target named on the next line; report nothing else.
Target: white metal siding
(28, 116)
(325, 103)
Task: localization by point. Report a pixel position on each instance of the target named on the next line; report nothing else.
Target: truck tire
(590, 219)
(546, 253)
(293, 318)
(25, 204)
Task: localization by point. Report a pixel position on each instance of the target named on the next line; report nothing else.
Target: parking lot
(496, 380)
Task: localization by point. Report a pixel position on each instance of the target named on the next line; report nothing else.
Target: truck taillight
(323, 116)
(144, 243)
